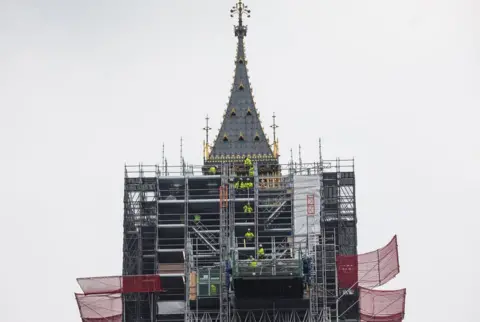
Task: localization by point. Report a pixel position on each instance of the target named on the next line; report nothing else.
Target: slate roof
(241, 133)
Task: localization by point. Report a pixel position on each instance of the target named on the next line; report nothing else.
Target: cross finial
(240, 9)
(206, 129)
(274, 126)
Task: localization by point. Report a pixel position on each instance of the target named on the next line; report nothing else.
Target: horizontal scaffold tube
(205, 200)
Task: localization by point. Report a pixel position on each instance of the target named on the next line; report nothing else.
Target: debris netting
(120, 284)
(369, 269)
(382, 306)
(100, 308)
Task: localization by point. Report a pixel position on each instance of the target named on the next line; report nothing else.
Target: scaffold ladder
(207, 237)
(327, 285)
(188, 267)
(223, 244)
(255, 204)
(313, 282)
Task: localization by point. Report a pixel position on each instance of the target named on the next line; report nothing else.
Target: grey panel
(171, 307)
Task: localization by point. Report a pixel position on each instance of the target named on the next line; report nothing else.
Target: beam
(205, 200)
(270, 218)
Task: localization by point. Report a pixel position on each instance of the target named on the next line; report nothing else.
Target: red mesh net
(100, 308)
(369, 269)
(120, 284)
(382, 306)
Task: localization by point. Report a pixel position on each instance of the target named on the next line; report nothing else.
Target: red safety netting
(120, 284)
(382, 306)
(100, 308)
(369, 269)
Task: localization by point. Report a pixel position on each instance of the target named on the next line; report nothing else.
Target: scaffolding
(140, 238)
(189, 228)
(187, 258)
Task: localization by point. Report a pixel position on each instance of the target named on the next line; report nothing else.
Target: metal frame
(275, 201)
(140, 239)
(268, 315)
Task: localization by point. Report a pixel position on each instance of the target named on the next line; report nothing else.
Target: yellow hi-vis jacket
(261, 252)
(249, 235)
(247, 209)
(196, 219)
(213, 289)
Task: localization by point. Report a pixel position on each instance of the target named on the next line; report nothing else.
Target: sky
(86, 86)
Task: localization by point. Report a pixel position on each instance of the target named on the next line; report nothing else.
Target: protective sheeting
(382, 306)
(100, 308)
(120, 284)
(369, 269)
(306, 206)
(347, 267)
(170, 307)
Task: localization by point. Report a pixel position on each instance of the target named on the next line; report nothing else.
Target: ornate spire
(241, 10)
(241, 133)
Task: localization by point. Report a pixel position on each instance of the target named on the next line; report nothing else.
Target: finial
(206, 129)
(241, 10)
(274, 126)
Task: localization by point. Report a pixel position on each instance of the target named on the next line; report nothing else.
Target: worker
(247, 209)
(213, 289)
(261, 252)
(246, 184)
(253, 262)
(250, 172)
(249, 235)
(237, 185)
(196, 219)
(212, 170)
(247, 163)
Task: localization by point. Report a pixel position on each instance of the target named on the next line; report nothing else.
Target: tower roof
(241, 133)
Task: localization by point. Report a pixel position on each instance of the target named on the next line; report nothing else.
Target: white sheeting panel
(304, 224)
(171, 307)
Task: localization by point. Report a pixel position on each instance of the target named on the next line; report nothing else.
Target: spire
(241, 133)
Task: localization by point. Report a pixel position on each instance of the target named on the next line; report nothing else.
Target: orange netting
(100, 308)
(369, 269)
(382, 306)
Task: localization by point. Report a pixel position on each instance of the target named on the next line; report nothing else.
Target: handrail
(190, 170)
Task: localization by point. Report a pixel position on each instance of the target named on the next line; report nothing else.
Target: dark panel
(268, 288)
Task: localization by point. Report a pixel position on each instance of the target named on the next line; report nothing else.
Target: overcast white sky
(88, 85)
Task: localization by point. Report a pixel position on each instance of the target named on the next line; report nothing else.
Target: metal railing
(157, 170)
(268, 268)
